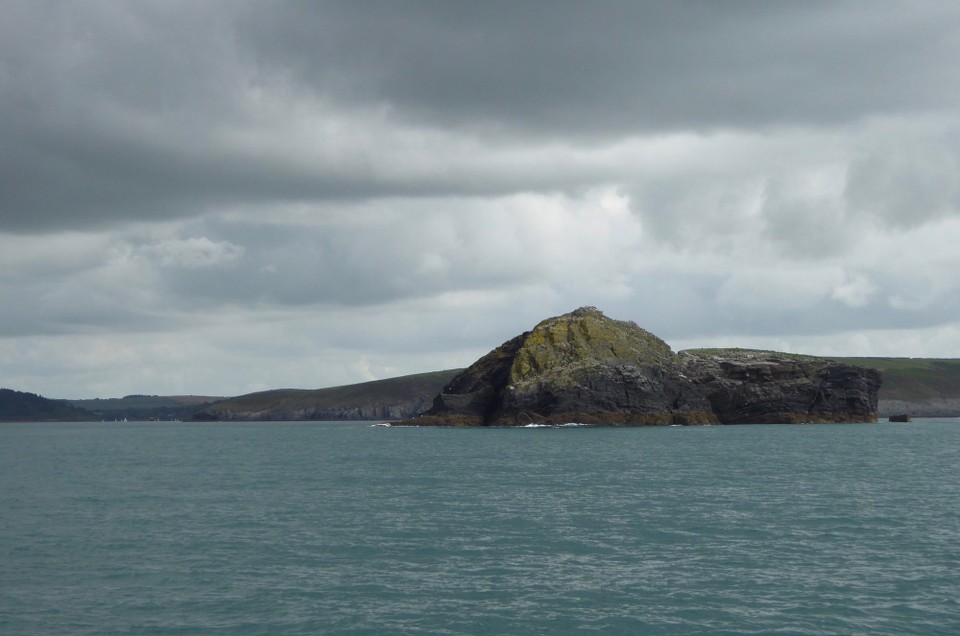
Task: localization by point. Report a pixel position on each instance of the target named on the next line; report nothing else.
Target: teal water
(346, 529)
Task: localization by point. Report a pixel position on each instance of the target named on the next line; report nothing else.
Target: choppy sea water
(341, 528)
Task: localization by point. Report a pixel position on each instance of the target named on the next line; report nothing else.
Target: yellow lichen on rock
(582, 338)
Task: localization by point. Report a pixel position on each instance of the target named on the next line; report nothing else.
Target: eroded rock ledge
(584, 367)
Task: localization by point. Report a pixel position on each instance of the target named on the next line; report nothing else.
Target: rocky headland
(584, 367)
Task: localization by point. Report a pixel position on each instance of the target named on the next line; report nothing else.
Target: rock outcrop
(587, 368)
(748, 387)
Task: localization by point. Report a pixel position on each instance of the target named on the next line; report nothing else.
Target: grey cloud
(696, 209)
(73, 306)
(807, 227)
(682, 305)
(905, 182)
(331, 264)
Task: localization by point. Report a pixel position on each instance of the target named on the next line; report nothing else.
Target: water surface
(266, 528)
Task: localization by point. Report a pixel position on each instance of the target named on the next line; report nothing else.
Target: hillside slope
(17, 406)
(146, 407)
(390, 399)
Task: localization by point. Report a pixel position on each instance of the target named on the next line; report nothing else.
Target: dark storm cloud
(118, 111)
(617, 68)
(115, 111)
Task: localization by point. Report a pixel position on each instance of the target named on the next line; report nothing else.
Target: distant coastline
(919, 387)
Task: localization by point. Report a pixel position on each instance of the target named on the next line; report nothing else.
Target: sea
(348, 528)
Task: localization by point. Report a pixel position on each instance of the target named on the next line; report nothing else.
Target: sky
(213, 197)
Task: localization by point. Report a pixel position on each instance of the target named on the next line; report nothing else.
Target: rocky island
(585, 367)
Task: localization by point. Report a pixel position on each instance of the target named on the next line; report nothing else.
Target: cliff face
(585, 367)
(746, 387)
(281, 411)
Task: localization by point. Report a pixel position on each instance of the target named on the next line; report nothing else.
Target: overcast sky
(216, 197)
